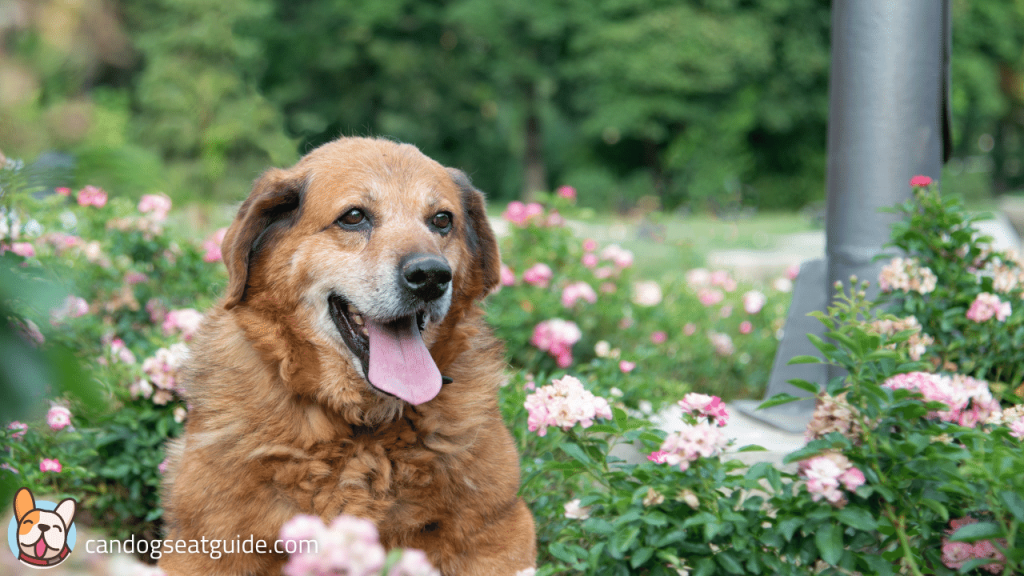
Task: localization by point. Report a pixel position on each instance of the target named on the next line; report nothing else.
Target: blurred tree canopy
(701, 103)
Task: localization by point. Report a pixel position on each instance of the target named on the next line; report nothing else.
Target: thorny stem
(901, 533)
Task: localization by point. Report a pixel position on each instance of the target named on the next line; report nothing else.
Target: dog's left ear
(23, 503)
(480, 240)
(273, 203)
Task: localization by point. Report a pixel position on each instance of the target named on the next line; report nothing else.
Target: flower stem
(901, 533)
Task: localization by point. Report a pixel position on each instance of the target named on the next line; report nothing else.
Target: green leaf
(1014, 503)
(622, 541)
(705, 567)
(576, 452)
(729, 562)
(979, 531)
(935, 506)
(752, 448)
(561, 551)
(811, 449)
(778, 400)
(640, 556)
(820, 344)
(970, 565)
(805, 385)
(829, 540)
(788, 527)
(803, 359)
(595, 556)
(655, 518)
(698, 519)
(599, 525)
(858, 518)
(878, 565)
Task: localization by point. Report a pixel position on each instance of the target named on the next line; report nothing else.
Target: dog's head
(368, 250)
(42, 534)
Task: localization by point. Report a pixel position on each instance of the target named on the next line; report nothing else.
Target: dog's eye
(353, 217)
(442, 221)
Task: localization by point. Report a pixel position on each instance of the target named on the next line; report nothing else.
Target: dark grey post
(888, 119)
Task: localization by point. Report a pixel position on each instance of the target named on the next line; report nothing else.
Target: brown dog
(316, 385)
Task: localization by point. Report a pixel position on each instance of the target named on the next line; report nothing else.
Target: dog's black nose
(44, 527)
(425, 275)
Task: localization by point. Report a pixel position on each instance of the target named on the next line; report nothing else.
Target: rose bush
(909, 466)
(913, 458)
(905, 471)
(570, 302)
(127, 286)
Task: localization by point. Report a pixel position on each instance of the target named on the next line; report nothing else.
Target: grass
(666, 244)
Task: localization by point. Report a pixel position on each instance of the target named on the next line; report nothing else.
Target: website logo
(41, 534)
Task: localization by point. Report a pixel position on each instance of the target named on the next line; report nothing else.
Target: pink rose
(23, 249)
(589, 245)
(58, 417)
(626, 366)
(157, 205)
(920, 181)
(508, 277)
(538, 275)
(659, 337)
(49, 465)
(567, 192)
(658, 457)
(18, 429)
(754, 301)
(577, 291)
(746, 327)
(212, 245)
(63, 190)
(710, 296)
(92, 196)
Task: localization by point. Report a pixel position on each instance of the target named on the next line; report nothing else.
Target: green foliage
(717, 346)
(940, 235)
(707, 104)
(129, 273)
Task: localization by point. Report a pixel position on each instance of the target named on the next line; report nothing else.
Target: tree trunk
(535, 176)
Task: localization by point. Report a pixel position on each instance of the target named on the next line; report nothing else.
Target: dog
(348, 370)
(42, 534)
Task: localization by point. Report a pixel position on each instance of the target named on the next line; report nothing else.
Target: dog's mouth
(394, 357)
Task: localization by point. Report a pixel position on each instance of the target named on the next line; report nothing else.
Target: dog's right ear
(274, 201)
(66, 510)
(23, 503)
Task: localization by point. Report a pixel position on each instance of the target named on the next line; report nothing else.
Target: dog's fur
(283, 420)
(37, 527)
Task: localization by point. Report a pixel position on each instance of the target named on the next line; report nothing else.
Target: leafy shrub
(699, 329)
(123, 281)
(965, 295)
(891, 479)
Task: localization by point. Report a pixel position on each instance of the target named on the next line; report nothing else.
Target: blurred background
(705, 106)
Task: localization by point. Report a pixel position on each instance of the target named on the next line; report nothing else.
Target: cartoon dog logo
(42, 539)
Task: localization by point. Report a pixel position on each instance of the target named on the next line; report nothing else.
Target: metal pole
(888, 121)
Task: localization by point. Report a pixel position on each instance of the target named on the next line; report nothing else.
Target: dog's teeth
(365, 331)
(357, 319)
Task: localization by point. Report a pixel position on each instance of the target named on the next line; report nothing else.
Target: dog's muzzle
(390, 346)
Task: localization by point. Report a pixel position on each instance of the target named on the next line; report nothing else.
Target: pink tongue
(40, 548)
(400, 363)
